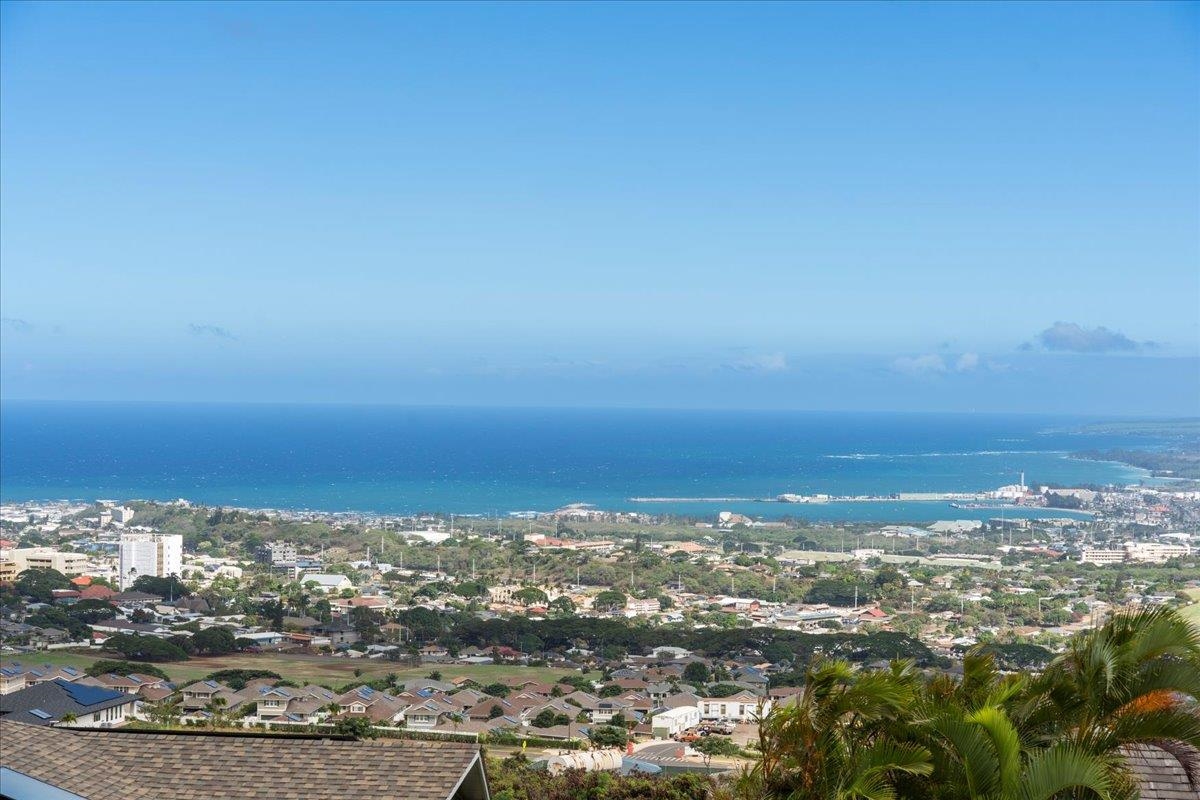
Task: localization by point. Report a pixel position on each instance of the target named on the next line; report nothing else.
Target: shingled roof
(123, 765)
(1159, 774)
(49, 702)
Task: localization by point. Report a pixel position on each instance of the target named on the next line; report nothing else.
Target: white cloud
(760, 362)
(929, 364)
(967, 362)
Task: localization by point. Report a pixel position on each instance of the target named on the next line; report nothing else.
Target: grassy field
(1192, 612)
(307, 668)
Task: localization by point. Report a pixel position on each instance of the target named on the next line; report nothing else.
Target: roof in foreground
(121, 765)
(1160, 775)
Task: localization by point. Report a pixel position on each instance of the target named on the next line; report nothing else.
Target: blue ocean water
(390, 459)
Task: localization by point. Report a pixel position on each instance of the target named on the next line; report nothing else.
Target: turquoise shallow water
(484, 461)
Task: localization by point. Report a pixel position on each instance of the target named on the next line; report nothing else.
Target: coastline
(897, 512)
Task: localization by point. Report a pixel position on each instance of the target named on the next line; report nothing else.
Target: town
(578, 633)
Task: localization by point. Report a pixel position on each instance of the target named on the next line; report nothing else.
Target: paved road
(667, 755)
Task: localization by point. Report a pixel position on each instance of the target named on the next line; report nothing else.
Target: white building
(327, 582)
(122, 515)
(675, 721)
(865, 553)
(1014, 491)
(635, 607)
(1143, 552)
(1095, 555)
(741, 707)
(157, 554)
(1155, 553)
(280, 553)
(23, 558)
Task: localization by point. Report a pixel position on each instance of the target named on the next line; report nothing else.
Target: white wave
(863, 456)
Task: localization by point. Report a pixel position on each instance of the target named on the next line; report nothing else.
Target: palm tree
(1134, 680)
(833, 744)
(164, 712)
(216, 707)
(978, 754)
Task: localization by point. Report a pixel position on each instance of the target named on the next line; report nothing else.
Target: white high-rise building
(157, 554)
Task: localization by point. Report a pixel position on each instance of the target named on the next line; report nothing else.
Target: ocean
(396, 460)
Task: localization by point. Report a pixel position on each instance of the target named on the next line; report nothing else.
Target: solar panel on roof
(135, 678)
(211, 684)
(70, 670)
(87, 695)
(37, 712)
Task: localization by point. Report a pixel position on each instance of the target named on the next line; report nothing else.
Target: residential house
(744, 706)
(12, 679)
(339, 632)
(132, 683)
(60, 702)
(41, 674)
(199, 694)
(327, 582)
(379, 707)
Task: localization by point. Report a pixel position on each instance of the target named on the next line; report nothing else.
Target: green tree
(1136, 679)
(563, 605)
(696, 673)
(609, 600)
(38, 584)
(358, 727)
(608, 736)
(979, 754)
(164, 712)
(162, 587)
(530, 596)
(548, 718)
(145, 648)
(717, 746)
(832, 743)
(110, 667)
(216, 710)
(215, 641)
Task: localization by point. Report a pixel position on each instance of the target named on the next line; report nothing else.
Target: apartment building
(157, 554)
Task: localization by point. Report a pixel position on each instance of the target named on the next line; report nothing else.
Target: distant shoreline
(981, 513)
(1164, 465)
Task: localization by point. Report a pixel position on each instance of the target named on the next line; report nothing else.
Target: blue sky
(913, 207)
